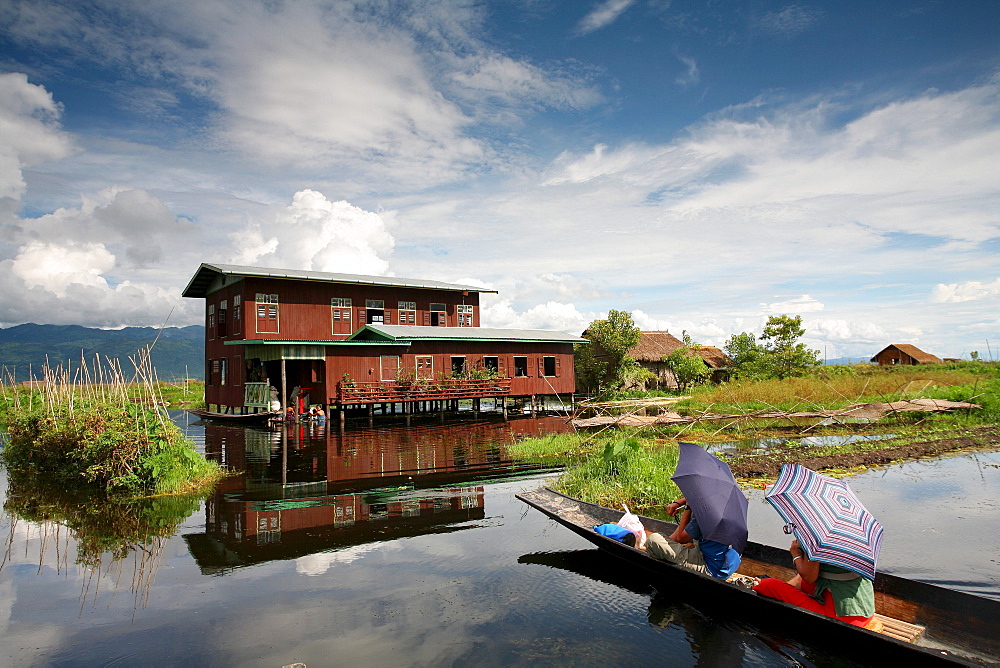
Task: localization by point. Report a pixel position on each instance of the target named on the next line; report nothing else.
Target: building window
(222, 371)
(208, 372)
(340, 313)
(548, 366)
(425, 366)
(520, 367)
(223, 314)
(237, 313)
(491, 364)
(210, 326)
(407, 313)
(374, 311)
(267, 313)
(464, 315)
(457, 366)
(438, 315)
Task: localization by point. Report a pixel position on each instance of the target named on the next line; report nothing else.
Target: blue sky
(703, 165)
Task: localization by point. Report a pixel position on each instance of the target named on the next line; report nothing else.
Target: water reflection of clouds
(319, 563)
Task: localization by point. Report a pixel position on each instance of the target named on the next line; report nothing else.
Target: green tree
(785, 356)
(778, 353)
(747, 356)
(611, 340)
(687, 364)
(590, 371)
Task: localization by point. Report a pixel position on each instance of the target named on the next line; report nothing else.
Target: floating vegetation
(91, 428)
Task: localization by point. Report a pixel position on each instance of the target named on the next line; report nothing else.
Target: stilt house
(283, 335)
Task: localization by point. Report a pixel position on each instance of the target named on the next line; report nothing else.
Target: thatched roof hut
(905, 354)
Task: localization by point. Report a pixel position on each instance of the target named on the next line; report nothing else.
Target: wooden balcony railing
(392, 391)
(257, 395)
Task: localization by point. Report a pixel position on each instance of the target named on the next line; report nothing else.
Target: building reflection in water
(303, 488)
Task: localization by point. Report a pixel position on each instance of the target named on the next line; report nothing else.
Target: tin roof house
(346, 340)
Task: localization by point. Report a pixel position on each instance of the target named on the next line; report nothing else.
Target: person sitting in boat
(829, 590)
(688, 548)
(290, 414)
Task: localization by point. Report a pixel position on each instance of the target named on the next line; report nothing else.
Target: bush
(130, 448)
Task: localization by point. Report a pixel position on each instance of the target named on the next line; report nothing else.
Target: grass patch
(609, 470)
(613, 468)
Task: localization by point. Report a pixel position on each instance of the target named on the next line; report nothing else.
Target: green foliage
(590, 371)
(778, 353)
(129, 448)
(611, 338)
(787, 357)
(746, 355)
(624, 470)
(687, 365)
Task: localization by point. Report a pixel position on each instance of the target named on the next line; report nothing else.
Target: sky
(703, 165)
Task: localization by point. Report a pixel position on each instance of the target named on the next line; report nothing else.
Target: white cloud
(315, 233)
(56, 268)
(964, 292)
(845, 331)
(602, 15)
(500, 79)
(30, 133)
(691, 74)
(794, 306)
(553, 316)
(788, 21)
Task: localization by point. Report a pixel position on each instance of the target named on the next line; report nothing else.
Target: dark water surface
(402, 546)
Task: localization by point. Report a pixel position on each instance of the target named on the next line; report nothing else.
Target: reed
(101, 423)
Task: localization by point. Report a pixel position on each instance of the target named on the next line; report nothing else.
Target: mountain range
(178, 351)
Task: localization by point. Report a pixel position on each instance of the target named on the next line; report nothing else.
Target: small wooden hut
(905, 354)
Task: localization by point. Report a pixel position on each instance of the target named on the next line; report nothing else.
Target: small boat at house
(919, 622)
(241, 418)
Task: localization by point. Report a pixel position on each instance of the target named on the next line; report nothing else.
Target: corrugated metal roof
(424, 333)
(202, 279)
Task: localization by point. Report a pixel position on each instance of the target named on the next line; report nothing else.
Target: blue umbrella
(716, 500)
(829, 521)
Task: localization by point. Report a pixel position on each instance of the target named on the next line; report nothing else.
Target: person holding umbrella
(712, 531)
(835, 547)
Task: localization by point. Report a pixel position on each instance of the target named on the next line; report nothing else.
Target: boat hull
(249, 418)
(961, 628)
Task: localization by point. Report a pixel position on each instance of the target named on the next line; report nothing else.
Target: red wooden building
(351, 340)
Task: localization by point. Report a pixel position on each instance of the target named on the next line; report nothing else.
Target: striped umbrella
(829, 521)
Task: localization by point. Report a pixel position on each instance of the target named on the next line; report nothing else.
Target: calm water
(406, 547)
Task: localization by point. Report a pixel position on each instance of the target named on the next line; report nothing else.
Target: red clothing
(773, 588)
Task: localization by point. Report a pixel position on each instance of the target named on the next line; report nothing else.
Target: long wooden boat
(923, 623)
(249, 418)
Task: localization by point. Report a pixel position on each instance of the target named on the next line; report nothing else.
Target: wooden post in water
(284, 390)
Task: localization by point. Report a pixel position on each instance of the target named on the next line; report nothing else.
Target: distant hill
(864, 359)
(176, 348)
